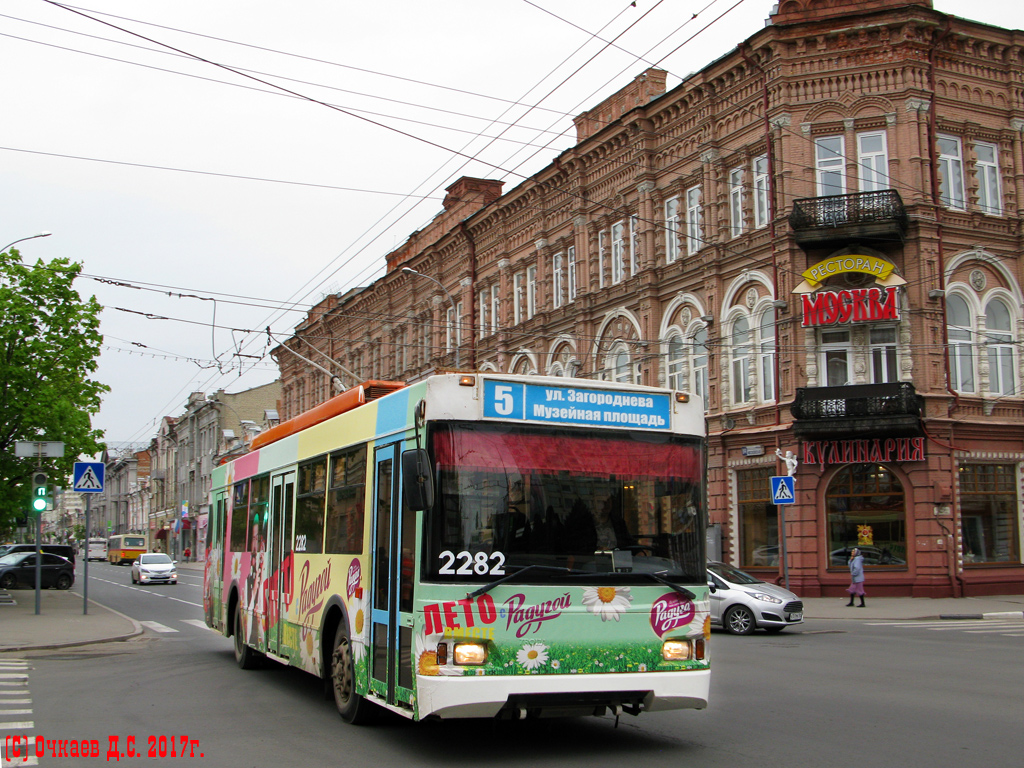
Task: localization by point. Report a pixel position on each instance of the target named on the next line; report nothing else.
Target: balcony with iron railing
(860, 410)
(867, 216)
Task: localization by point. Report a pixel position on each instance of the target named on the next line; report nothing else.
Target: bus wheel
(246, 657)
(351, 706)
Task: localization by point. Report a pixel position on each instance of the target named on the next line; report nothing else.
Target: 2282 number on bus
(470, 563)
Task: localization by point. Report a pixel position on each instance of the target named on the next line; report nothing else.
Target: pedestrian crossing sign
(783, 490)
(88, 476)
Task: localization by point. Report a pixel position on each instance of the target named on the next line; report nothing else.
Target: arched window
(961, 349)
(999, 340)
(675, 362)
(865, 509)
(741, 392)
(699, 366)
(767, 355)
(622, 373)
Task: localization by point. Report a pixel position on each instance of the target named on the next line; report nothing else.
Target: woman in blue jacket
(856, 577)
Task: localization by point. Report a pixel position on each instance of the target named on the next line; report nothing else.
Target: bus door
(214, 576)
(393, 552)
(282, 494)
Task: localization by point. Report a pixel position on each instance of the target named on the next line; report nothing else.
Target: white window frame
(884, 355)
(634, 245)
(742, 391)
(618, 251)
(699, 364)
(531, 291)
(951, 172)
(675, 358)
(872, 165)
(736, 202)
(482, 300)
(1002, 376)
(495, 307)
(556, 279)
(990, 198)
(762, 188)
(766, 354)
(602, 256)
(518, 297)
(842, 343)
(828, 164)
(671, 230)
(961, 347)
(571, 272)
(694, 238)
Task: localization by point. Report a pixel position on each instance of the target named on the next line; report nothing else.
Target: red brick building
(819, 233)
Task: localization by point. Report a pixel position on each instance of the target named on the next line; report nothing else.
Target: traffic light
(40, 492)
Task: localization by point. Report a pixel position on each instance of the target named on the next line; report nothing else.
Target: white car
(153, 568)
(741, 603)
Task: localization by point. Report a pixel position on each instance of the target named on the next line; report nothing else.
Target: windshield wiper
(657, 577)
(488, 587)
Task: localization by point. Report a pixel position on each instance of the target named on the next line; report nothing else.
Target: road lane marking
(198, 623)
(12, 676)
(156, 626)
(24, 725)
(16, 711)
(186, 602)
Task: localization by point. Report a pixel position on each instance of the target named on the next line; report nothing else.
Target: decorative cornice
(541, 244)
(709, 155)
(645, 187)
(504, 264)
(918, 105)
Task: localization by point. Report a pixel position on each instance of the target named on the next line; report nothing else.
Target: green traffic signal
(40, 492)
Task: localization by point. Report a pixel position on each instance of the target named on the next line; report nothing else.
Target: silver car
(153, 568)
(741, 603)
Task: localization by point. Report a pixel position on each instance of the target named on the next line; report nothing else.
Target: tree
(49, 345)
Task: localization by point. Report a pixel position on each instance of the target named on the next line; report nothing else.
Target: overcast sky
(204, 203)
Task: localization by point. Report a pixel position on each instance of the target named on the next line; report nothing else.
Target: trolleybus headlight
(470, 653)
(467, 381)
(676, 650)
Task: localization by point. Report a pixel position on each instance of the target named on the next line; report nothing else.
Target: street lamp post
(22, 239)
(455, 308)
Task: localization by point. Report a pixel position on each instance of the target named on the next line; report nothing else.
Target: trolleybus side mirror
(417, 479)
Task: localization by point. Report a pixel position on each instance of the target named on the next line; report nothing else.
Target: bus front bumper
(521, 696)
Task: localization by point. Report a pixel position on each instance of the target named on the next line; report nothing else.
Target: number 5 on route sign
(783, 489)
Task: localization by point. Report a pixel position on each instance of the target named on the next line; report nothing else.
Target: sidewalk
(903, 608)
(62, 624)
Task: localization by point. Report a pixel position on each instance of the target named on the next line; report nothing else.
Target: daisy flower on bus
(532, 655)
(357, 617)
(607, 602)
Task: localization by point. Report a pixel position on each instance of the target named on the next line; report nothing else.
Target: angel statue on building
(790, 460)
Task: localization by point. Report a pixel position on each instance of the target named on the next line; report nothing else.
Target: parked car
(872, 556)
(18, 569)
(153, 568)
(741, 603)
(61, 550)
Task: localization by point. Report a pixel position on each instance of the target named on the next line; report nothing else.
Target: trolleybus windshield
(607, 507)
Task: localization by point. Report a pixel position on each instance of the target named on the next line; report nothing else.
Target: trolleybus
(474, 545)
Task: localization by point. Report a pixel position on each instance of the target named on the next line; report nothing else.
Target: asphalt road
(842, 693)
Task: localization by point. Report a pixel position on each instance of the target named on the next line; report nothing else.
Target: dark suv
(64, 550)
